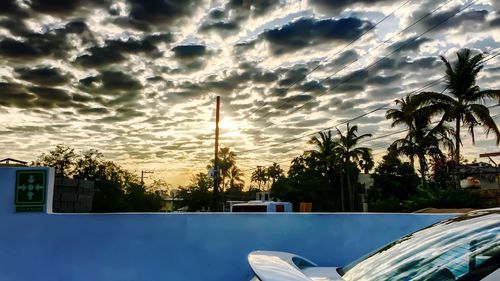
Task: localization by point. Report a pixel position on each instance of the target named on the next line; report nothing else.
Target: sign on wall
(31, 186)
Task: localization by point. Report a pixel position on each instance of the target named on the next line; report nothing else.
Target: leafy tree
(442, 198)
(89, 164)
(116, 189)
(197, 195)
(394, 181)
(62, 158)
(465, 101)
(305, 183)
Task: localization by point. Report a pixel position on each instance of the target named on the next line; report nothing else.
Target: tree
(465, 101)
(62, 158)
(404, 116)
(306, 182)
(421, 139)
(88, 165)
(235, 176)
(227, 159)
(327, 159)
(393, 182)
(274, 172)
(259, 176)
(366, 162)
(196, 195)
(348, 150)
(116, 189)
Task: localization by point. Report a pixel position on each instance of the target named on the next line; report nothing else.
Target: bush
(391, 204)
(442, 198)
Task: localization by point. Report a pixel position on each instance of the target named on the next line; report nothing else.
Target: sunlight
(228, 125)
(228, 128)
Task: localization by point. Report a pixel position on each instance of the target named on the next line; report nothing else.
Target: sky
(138, 79)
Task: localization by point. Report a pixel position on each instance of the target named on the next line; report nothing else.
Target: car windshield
(462, 248)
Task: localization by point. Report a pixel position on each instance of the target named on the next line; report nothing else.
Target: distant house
(12, 162)
(479, 176)
(367, 181)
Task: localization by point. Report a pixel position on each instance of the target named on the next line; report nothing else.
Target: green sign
(31, 188)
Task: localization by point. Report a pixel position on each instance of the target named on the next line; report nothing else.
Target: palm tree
(235, 178)
(404, 116)
(260, 176)
(348, 150)
(366, 162)
(227, 159)
(325, 154)
(274, 172)
(465, 101)
(421, 140)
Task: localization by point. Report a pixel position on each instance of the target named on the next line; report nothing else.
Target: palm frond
(482, 113)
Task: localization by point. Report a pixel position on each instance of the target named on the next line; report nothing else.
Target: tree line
(327, 175)
(115, 188)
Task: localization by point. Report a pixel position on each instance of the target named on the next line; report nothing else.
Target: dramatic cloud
(160, 11)
(137, 79)
(339, 5)
(189, 51)
(47, 76)
(308, 32)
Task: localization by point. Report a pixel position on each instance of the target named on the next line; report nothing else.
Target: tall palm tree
(325, 153)
(404, 116)
(465, 101)
(349, 150)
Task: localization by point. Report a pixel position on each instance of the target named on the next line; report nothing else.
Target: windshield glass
(455, 249)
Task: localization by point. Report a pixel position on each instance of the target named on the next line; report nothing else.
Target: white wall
(197, 246)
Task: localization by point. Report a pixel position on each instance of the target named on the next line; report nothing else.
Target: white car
(463, 248)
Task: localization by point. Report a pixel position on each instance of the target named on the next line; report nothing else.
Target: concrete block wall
(195, 246)
(72, 195)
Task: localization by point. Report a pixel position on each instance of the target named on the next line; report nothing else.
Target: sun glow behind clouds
(229, 128)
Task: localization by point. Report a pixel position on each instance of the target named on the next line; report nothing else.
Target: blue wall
(40, 246)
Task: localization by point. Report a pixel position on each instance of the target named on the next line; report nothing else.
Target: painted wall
(200, 246)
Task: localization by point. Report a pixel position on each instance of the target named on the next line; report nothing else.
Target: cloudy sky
(137, 79)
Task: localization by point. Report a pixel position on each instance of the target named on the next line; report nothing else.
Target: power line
(432, 83)
(385, 57)
(330, 57)
(428, 85)
(384, 136)
(343, 68)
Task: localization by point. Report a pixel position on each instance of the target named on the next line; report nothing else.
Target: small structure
(72, 195)
(262, 207)
(12, 162)
(263, 196)
(477, 176)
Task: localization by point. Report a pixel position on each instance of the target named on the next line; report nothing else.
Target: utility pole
(142, 175)
(216, 161)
